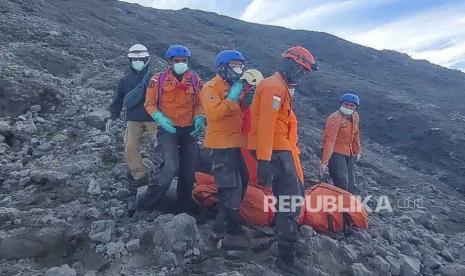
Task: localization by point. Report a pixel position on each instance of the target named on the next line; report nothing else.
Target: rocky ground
(64, 193)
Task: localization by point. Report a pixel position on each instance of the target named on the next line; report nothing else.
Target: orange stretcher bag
(252, 210)
(345, 209)
(205, 192)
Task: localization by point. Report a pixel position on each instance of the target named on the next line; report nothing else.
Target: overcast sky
(424, 29)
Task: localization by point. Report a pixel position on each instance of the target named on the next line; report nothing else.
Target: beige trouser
(132, 138)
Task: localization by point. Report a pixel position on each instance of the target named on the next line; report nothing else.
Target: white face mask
(346, 111)
(237, 70)
(291, 91)
(138, 65)
(180, 68)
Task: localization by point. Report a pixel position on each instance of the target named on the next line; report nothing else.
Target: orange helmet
(301, 56)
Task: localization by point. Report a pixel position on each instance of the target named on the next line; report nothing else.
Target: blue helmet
(228, 55)
(177, 51)
(351, 98)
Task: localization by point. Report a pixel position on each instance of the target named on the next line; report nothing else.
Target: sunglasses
(235, 64)
(179, 60)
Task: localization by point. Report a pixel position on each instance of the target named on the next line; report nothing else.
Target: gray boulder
(71, 169)
(8, 214)
(306, 231)
(409, 266)
(24, 129)
(94, 188)
(92, 213)
(452, 270)
(437, 243)
(114, 248)
(35, 108)
(52, 178)
(97, 118)
(423, 218)
(395, 265)
(168, 259)
(5, 128)
(63, 270)
(431, 262)
(102, 140)
(133, 245)
(447, 255)
(101, 230)
(27, 243)
(380, 264)
(59, 138)
(358, 269)
(180, 228)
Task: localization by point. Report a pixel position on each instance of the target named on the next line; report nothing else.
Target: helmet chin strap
(227, 74)
(289, 70)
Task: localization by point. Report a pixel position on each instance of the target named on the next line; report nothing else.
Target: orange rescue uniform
(224, 120)
(293, 137)
(271, 118)
(178, 100)
(341, 135)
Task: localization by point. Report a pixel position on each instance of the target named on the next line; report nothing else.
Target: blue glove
(265, 173)
(235, 91)
(199, 125)
(164, 122)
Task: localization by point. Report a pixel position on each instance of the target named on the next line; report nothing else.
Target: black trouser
(342, 171)
(285, 183)
(179, 154)
(231, 178)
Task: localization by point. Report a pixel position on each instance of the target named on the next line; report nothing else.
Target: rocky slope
(64, 192)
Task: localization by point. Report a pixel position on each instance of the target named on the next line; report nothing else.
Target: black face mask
(291, 71)
(227, 74)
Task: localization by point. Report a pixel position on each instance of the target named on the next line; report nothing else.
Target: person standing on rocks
(270, 143)
(173, 102)
(220, 98)
(341, 143)
(131, 94)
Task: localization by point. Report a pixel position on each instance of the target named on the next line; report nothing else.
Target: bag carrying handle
(325, 177)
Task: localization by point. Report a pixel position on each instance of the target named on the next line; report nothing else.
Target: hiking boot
(144, 199)
(286, 260)
(141, 181)
(290, 268)
(218, 226)
(235, 241)
(134, 184)
(129, 176)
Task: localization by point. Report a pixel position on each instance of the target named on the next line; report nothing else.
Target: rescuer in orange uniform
(270, 142)
(341, 143)
(220, 98)
(173, 101)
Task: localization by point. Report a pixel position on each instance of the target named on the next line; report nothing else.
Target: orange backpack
(205, 192)
(252, 210)
(326, 221)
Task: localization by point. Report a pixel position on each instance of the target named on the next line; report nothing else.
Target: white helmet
(252, 76)
(138, 51)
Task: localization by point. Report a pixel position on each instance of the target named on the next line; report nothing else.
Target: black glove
(265, 173)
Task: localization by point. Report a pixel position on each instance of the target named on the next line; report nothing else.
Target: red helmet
(302, 56)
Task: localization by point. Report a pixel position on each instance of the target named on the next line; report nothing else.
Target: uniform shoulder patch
(276, 104)
(211, 98)
(152, 83)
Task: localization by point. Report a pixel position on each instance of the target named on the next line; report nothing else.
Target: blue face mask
(137, 65)
(346, 111)
(180, 68)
